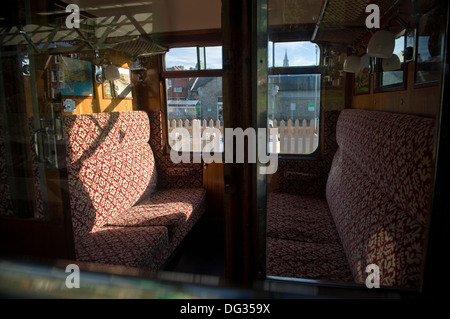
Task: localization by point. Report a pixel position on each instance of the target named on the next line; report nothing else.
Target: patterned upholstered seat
(300, 218)
(119, 215)
(378, 198)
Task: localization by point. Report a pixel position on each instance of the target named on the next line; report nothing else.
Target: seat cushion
(177, 209)
(323, 261)
(301, 218)
(145, 247)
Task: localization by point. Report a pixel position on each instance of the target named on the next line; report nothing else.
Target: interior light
(392, 63)
(352, 64)
(381, 45)
(365, 61)
(110, 72)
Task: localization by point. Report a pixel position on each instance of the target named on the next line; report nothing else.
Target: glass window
(393, 77)
(293, 106)
(199, 106)
(294, 109)
(194, 58)
(389, 73)
(181, 59)
(195, 102)
(213, 57)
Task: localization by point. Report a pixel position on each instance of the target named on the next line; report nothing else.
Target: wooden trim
(295, 70)
(191, 74)
(438, 239)
(189, 38)
(34, 238)
(245, 98)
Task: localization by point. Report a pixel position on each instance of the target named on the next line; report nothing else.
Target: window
(294, 87)
(194, 95)
(392, 75)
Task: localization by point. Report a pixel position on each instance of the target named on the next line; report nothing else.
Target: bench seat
(120, 214)
(376, 208)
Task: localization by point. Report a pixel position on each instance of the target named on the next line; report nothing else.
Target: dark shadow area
(202, 250)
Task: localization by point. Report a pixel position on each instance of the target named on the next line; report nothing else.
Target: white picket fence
(291, 139)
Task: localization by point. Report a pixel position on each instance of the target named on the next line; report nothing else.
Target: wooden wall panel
(418, 100)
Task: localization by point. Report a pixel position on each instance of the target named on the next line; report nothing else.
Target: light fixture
(364, 61)
(352, 64)
(392, 64)
(381, 45)
(109, 72)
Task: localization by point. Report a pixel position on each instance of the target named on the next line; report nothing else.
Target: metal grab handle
(36, 146)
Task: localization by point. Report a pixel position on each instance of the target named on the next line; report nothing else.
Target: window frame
(378, 86)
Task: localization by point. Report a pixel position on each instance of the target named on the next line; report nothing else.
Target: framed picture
(76, 77)
(430, 47)
(120, 88)
(362, 81)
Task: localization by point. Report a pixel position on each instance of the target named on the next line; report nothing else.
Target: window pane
(294, 108)
(303, 53)
(395, 77)
(214, 57)
(181, 59)
(270, 55)
(195, 102)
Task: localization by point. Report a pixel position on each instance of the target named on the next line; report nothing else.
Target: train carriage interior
(254, 148)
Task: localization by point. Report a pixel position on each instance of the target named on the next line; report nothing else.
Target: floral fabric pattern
(171, 175)
(323, 261)
(379, 196)
(309, 177)
(144, 247)
(301, 218)
(109, 165)
(177, 209)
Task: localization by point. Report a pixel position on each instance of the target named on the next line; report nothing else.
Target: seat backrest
(110, 165)
(379, 192)
(5, 192)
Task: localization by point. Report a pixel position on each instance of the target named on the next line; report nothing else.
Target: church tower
(285, 60)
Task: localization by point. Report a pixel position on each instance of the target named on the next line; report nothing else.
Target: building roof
(183, 102)
(199, 82)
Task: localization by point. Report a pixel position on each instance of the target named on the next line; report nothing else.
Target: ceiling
(129, 25)
(325, 21)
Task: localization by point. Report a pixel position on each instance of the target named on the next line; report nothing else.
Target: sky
(188, 57)
(299, 54)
